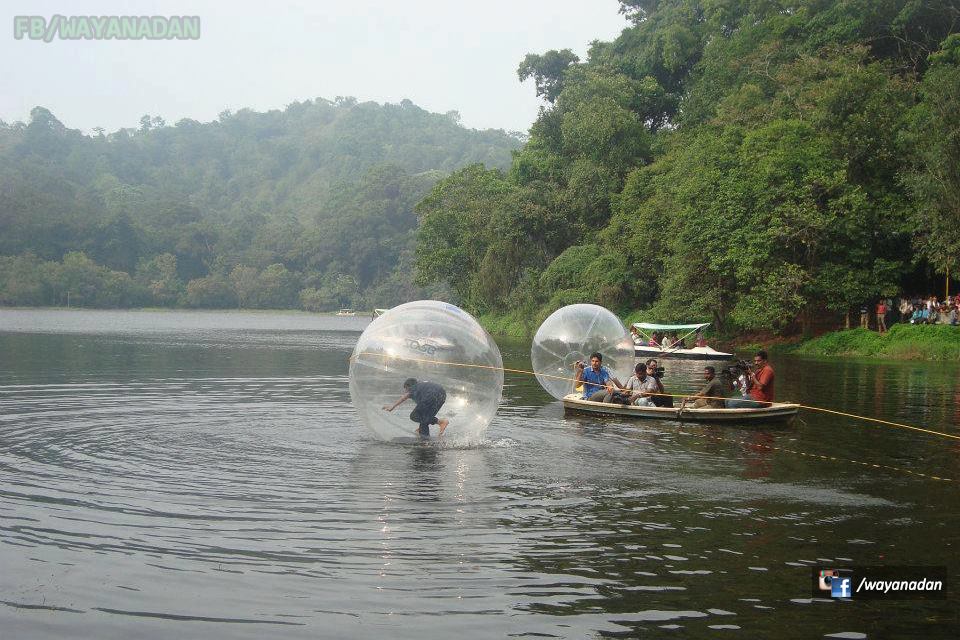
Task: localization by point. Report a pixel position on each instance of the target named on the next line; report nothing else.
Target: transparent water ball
(572, 333)
(430, 341)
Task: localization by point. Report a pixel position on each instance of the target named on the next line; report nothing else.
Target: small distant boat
(642, 348)
(346, 312)
(574, 403)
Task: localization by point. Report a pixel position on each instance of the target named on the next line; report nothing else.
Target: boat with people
(775, 411)
(651, 340)
(346, 312)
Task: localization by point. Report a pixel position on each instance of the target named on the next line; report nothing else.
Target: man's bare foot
(443, 425)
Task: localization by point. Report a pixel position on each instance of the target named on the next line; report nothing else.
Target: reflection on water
(206, 474)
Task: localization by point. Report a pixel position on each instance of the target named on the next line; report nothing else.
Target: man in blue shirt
(598, 384)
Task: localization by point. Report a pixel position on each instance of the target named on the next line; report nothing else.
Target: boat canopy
(649, 326)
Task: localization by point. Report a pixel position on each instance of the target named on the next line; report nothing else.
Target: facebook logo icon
(840, 587)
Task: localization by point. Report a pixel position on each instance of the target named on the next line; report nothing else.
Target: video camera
(737, 369)
(658, 373)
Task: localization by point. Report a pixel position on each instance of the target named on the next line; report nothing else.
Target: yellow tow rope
(715, 437)
(672, 395)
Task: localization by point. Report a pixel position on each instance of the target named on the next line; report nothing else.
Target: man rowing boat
(712, 393)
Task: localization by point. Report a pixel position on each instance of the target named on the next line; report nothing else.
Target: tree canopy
(311, 206)
(757, 164)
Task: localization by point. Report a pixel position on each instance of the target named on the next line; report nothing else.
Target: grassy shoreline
(901, 342)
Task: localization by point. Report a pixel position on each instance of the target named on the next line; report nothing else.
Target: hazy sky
(442, 55)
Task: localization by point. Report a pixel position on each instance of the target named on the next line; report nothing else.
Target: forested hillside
(307, 207)
(754, 163)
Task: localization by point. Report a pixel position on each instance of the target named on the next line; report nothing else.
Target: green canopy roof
(669, 327)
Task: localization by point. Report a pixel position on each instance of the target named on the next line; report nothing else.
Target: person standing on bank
(882, 316)
(429, 397)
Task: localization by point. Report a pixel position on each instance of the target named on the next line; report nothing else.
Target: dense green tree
(322, 188)
(933, 175)
(21, 281)
(760, 164)
(547, 71)
(211, 292)
(159, 276)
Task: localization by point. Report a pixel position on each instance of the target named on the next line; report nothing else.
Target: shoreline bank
(901, 342)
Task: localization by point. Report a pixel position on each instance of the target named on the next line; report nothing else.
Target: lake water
(168, 474)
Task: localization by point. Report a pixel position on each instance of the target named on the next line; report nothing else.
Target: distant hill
(323, 189)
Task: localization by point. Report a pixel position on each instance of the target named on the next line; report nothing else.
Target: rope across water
(714, 437)
(672, 395)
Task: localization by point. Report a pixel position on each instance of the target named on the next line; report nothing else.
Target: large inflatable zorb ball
(572, 333)
(432, 342)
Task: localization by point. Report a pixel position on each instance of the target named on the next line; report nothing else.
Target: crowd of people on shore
(929, 310)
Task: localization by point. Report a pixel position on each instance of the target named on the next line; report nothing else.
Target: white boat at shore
(574, 403)
(642, 348)
(346, 312)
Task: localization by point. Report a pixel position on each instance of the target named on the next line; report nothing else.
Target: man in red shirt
(761, 378)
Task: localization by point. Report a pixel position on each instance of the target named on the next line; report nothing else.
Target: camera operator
(654, 374)
(760, 377)
(740, 373)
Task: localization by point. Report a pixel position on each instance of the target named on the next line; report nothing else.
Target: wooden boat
(574, 403)
(642, 348)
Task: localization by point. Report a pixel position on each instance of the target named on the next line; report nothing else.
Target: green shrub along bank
(513, 324)
(903, 341)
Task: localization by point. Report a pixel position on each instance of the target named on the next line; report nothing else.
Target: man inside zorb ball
(429, 397)
(435, 354)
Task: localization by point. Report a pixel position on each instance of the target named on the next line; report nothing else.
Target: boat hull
(573, 403)
(697, 353)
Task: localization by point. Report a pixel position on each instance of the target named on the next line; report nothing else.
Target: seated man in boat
(698, 339)
(712, 393)
(641, 386)
(598, 384)
(654, 373)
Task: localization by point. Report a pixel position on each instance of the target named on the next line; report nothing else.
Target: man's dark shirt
(713, 389)
(427, 392)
